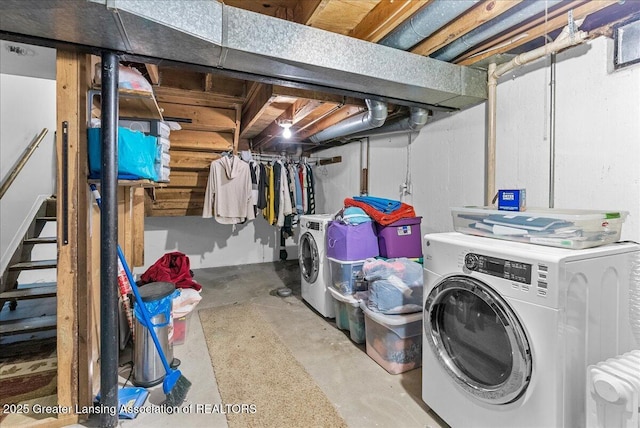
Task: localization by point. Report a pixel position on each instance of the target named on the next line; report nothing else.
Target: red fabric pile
(405, 211)
(172, 267)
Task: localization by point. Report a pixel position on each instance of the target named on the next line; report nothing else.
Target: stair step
(28, 325)
(38, 264)
(29, 293)
(41, 240)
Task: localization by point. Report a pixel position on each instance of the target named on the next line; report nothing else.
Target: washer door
(308, 256)
(478, 339)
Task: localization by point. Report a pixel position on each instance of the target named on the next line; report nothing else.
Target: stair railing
(22, 162)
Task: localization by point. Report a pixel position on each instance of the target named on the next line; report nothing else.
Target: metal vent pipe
(425, 22)
(373, 118)
(416, 120)
(503, 22)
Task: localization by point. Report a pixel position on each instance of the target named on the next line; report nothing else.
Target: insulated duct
(249, 45)
(373, 118)
(425, 22)
(515, 16)
(416, 120)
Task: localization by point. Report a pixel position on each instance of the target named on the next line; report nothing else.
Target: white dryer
(314, 266)
(510, 328)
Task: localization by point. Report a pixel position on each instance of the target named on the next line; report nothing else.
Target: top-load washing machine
(510, 328)
(314, 266)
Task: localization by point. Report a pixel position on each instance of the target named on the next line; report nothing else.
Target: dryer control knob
(471, 261)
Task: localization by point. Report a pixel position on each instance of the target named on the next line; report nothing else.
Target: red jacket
(173, 268)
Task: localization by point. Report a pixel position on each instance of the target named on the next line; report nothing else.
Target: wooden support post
(71, 108)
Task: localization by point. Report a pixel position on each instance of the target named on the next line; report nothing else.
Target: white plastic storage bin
(394, 341)
(349, 315)
(347, 276)
(574, 229)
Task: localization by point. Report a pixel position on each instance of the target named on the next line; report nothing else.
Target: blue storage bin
(136, 154)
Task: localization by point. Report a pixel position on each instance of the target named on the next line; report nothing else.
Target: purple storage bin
(401, 238)
(349, 242)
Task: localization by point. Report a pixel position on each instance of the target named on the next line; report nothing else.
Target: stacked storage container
(348, 246)
(163, 158)
(393, 313)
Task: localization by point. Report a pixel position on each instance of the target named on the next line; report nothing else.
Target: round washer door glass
(309, 260)
(478, 339)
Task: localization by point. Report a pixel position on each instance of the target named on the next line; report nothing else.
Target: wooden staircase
(25, 320)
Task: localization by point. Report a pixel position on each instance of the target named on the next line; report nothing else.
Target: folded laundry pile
(395, 285)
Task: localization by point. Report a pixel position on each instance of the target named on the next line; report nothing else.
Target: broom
(175, 385)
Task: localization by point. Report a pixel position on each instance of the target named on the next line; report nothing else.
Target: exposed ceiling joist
(478, 15)
(534, 29)
(384, 18)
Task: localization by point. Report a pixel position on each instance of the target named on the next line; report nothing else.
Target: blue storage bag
(136, 154)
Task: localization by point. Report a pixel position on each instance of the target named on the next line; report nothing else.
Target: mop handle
(136, 293)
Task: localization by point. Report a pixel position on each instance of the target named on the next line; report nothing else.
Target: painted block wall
(26, 106)
(597, 150)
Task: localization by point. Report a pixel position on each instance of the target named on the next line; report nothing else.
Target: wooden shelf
(134, 183)
(132, 104)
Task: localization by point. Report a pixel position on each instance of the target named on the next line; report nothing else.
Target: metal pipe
(489, 29)
(552, 132)
(490, 160)
(109, 241)
(373, 118)
(565, 39)
(425, 22)
(22, 161)
(416, 120)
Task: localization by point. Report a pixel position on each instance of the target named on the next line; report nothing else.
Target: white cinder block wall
(597, 149)
(26, 106)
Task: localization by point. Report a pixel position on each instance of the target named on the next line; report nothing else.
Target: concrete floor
(364, 394)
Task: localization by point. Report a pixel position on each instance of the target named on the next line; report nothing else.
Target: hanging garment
(405, 211)
(270, 212)
(311, 207)
(284, 200)
(262, 188)
(298, 189)
(228, 194)
(305, 189)
(255, 177)
(172, 267)
(277, 179)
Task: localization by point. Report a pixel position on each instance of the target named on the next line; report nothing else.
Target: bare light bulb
(286, 133)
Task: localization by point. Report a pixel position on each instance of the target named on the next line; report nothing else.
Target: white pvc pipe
(563, 41)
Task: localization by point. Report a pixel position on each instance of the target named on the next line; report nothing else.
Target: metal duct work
(373, 118)
(503, 22)
(209, 34)
(425, 22)
(413, 123)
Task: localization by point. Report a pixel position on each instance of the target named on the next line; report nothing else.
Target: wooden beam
(175, 212)
(201, 141)
(138, 226)
(335, 159)
(304, 11)
(191, 161)
(202, 118)
(385, 17)
(257, 102)
(188, 179)
(533, 30)
(476, 16)
(70, 102)
(196, 98)
(154, 74)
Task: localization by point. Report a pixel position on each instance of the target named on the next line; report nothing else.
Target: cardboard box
(512, 200)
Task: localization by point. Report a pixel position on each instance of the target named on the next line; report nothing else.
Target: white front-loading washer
(510, 328)
(314, 266)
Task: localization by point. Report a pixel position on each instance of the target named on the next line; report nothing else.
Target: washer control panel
(501, 268)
